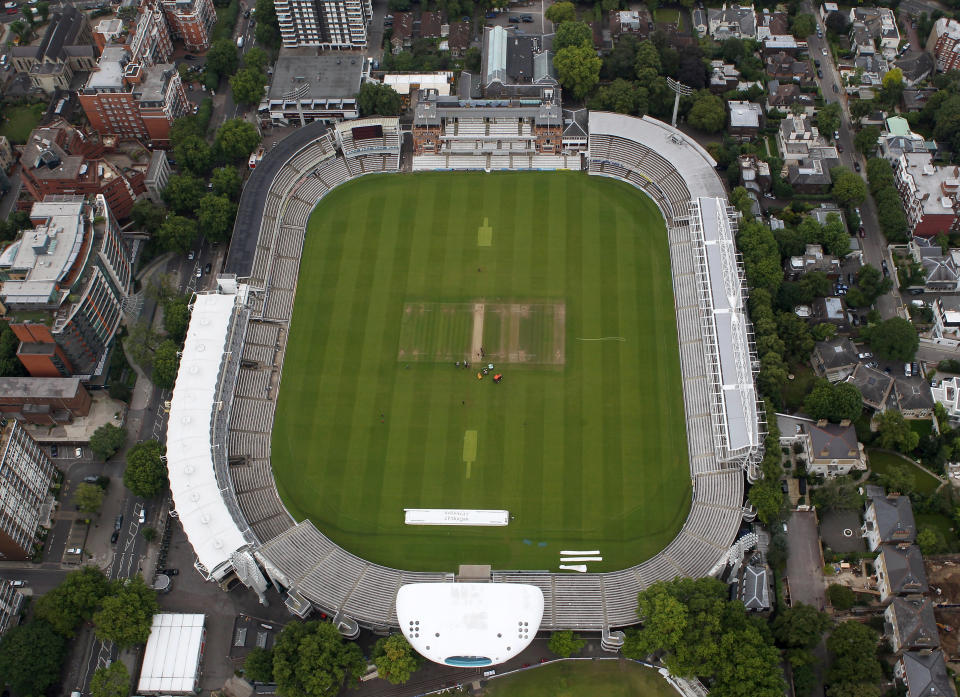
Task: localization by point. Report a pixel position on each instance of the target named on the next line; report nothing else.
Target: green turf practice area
(582, 678)
(560, 281)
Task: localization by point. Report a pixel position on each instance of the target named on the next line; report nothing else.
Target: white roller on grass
(582, 568)
(566, 559)
(574, 552)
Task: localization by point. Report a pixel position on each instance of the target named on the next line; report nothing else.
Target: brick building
(133, 100)
(26, 474)
(45, 401)
(59, 159)
(944, 44)
(146, 36)
(75, 266)
(191, 21)
(930, 194)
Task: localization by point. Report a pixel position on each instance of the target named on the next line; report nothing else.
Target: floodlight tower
(680, 89)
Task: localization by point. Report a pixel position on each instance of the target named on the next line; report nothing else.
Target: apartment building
(930, 194)
(326, 24)
(133, 100)
(59, 159)
(944, 44)
(74, 266)
(146, 37)
(191, 21)
(26, 474)
(43, 401)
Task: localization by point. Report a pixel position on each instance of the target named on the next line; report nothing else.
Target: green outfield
(563, 282)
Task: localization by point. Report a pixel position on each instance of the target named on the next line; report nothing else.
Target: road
(874, 244)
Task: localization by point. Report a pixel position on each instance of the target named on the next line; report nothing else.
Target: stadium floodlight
(679, 89)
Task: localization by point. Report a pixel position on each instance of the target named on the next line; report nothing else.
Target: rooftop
(915, 624)
(46, 388)
(833, 442)
(874, 385)
(302, 78)
(745, 114)
(926, 674)
(109, 73)
(934, 188)
(171, 659)
(894, 516)
(905, 572)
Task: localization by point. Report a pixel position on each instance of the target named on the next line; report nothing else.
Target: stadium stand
(316, 573)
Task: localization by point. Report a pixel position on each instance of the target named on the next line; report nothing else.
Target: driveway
(804, 567)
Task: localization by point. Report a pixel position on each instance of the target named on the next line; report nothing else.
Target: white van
(239, 42)
(907, 371)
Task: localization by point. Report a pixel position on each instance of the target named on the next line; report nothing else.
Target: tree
(866, 140)
(848, 188)
(176, 317)
(800, 626)
(147, 215)
(931, 541)
(178, 233)
(194, 154)
(112, 681)
(837, 23)
(166, 363)
(22, 30)
(707, 113)
(146, 473)
(573, 34)
(578, 69)
(733, 50)
(841, 597)
(182, 193)
(621, 96)
(871, 285)
(311, 659)
(227, 181)
(562, 12)
(895, 432)
(268, 30)
(216, 215)
(766, 497)
(256, 58)
(88, 498)
(803, 26)
(222, 57)
(378, 99)
(647, 58)
(395, 659)
(828, 119)
(107, 440)
(126, 614)
(31, 656)
(834, 402)
(565, 644)
(248, 86)
(235, 140)
(854, 657)
(73, 601)
(892, 339)
(258, 665)
(43, 9)
(10, 365)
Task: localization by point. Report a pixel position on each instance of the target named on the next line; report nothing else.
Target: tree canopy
(848, 187)
(704, 634)
(88, 498)
(166, 363)
(146, 473)
(112, 681)
(573, 34)
(126, 615)
(800, 626)
(222, 57)
(311, 659)
(182, 193)
(74, 601)
(892, 339)
(376, 99)
(578, 69)
(258, 665)
(707, 113)
(895, 432)
(248, 86)
(215, 216)
(853, 649)
(147, 215)
(803, 26)
(560, 12)
(834, 402)
(31, 656)
(107, 440)
(828, 119)
(227, 181)
(235, 140)
(178, 232)
(565, 644)
(395, 659)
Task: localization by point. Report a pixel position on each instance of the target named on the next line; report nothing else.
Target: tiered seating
(333, 172)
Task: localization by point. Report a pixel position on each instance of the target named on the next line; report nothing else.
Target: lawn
(564, 281)
(796, 390)
(18, 121)
(882, 463)
(579, 678)
(667, 15)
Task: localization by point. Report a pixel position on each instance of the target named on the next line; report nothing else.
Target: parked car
(527, 18)
(839, 147)
(75, 550)
(491, 15)
(206, 269)
(189, 57)
(54, 451)
(78, 453)
(856, 165)
(199, 272)
(92, 479)
(915, 367)
(819, 73)
(865, 354)
(143, 515)
(118, 522)
(514, 20)
(114, 537)
(836, 89)
(191, 256)
(18, 583)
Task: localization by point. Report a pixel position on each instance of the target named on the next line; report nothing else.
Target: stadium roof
(206, 520)
(469, 624)
(692, 162)
(737, 390)
(171, 661)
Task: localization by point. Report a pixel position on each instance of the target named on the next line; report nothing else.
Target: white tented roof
(207, 522)
(469, 624)
(171, 661)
